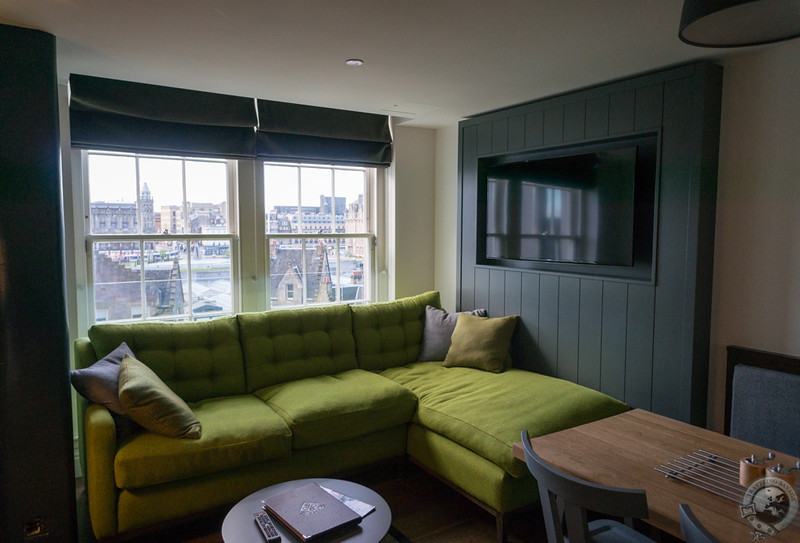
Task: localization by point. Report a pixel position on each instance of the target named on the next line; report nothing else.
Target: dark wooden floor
(423, 509)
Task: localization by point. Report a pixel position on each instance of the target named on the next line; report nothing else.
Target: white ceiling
(433, 62)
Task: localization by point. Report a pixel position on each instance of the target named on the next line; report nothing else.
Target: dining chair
(692, 530)
(568, 498)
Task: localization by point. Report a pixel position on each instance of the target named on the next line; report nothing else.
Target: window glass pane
(319, 281)
(281, 197)
(211, 277)
(350, 186)
(112, 193)
(166, 278)
(301, 273)
(162, 180)
(318, 204)
(207, 193)
(286, 273)
(351, 267)
(116, 274)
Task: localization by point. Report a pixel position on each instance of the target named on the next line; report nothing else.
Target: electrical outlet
(34, 528)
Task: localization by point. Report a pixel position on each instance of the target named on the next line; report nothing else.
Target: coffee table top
(239, 525)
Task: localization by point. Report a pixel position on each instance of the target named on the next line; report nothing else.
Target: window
(318, 233)
(159, 237)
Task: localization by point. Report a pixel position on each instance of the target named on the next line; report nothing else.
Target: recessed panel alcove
(637, 333)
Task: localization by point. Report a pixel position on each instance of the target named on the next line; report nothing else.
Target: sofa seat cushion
(485, 412)
(237, 431)
(330, 408)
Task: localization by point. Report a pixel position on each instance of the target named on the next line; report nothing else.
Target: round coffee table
(239, 525)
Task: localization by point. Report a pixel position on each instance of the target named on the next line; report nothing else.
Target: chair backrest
(576, 496)
(692, 530)
(764, 391)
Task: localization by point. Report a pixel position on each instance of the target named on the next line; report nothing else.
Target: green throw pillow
(151, 403)
(480, 342)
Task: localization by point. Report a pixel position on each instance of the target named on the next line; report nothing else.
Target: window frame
(372, 211)
(88, 317)
(247, 231)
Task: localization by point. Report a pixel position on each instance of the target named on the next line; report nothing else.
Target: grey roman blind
(299, 133)
(108, 114)
(113, 115)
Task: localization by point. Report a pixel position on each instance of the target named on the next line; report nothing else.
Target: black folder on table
(308, 511)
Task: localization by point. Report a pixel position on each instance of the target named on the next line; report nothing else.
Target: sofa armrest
(101, 447)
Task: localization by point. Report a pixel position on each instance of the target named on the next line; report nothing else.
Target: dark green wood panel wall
(645, 342)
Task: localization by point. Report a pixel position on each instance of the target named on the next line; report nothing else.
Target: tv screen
(583, 205)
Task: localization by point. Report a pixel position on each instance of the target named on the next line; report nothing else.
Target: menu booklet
(309, 512)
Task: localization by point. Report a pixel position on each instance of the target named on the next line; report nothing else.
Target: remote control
(267, 528)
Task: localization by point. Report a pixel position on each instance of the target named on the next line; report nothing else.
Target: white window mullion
(300, 224)
(142, 282)
(303, 272)
(139, 221)
(338, 279)
(190, 300)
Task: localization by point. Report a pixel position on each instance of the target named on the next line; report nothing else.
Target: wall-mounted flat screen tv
(588, 205)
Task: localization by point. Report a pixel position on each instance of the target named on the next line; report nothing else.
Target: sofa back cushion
(389, 334)
(197, 360)
(288, 344)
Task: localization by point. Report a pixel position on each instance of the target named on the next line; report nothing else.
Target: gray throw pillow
(99, 382)
(439, 326)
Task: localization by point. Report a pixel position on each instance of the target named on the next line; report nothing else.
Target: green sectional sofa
(288, 394)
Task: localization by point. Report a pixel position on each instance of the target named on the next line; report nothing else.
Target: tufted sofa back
(243, 353)
(389, 334)
(197, 360)
(291, 344)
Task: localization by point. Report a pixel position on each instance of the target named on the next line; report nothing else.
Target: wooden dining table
(629, 450)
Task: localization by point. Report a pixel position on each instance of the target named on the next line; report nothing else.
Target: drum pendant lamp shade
(739, 23)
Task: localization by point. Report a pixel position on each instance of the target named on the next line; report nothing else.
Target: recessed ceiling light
(354, 62)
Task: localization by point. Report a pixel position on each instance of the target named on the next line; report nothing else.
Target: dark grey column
(37, 481)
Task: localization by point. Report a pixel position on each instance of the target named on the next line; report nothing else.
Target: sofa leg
(500, 521)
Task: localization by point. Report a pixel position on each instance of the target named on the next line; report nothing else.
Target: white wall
(410, 216)
(756, 298)
(446, 216)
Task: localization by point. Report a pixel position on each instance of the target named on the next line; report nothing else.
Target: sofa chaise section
(468, 420)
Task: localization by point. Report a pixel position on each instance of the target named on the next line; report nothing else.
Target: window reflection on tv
(567, 209)
(588, 205)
